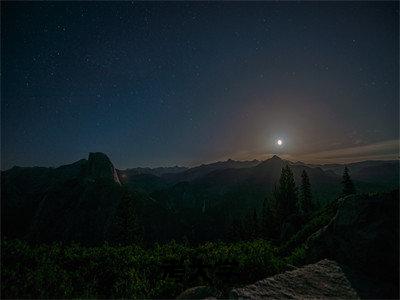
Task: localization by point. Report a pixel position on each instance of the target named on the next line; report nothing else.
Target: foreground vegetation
(125, 267)
(73, 271)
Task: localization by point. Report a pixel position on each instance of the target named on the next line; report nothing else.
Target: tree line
(280, 216)
(289, 208)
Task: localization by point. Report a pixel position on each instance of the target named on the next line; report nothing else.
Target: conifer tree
(254, 224)
(305, 194)
(286, 195)
(250, 223)
(348, 186)
(236, 230)
(126, 228)
(264, 218)
(268, 220)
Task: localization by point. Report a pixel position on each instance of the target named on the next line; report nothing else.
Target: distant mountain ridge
(55, 202)
(99, 165)
(158, 171)
(204, 169)
(377, 171)
(238, 189)
(177, 173)
(78, 201)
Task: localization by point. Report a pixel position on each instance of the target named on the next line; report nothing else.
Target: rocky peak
(100, 166)
(274, 161)
(275, 157)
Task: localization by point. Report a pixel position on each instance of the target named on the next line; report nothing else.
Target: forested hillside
(88, 200)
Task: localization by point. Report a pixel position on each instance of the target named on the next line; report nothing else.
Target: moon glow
(279, 142)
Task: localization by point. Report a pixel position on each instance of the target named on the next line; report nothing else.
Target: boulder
(321, 280)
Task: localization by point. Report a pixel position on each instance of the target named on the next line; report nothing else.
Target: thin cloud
(382, 150)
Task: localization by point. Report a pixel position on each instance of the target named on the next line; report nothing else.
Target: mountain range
(79, 201)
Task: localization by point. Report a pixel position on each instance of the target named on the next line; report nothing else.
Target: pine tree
(305, 194)
(126, 228)
(250, 225)
(264, 218)
(348, 186)
(286, 195)
(254, 224)
(268, 220)
(236, 231)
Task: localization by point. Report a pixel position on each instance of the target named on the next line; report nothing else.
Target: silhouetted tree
(236, 231)
(254, 225)
(250, 225)
(264, 217)
(305, 194)
(268, 219)
(348, 186)
(126, 228)
(286, 195)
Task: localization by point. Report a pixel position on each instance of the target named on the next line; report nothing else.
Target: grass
(163, 271)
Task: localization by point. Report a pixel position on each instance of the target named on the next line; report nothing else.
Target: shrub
(164, 271)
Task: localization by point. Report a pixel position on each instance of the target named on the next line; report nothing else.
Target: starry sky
(182, 83)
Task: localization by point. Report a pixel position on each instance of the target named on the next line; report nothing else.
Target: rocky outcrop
(75, 202)
(363, 235)
(322, 280)
(100, 166)
(362, 244)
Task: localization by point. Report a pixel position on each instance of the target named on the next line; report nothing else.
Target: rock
(100, 166)
(363, 235)
(322, 280)
(199, 292)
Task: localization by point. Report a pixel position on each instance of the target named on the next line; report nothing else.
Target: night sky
(164, 83)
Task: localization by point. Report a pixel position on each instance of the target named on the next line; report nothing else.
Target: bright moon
(279, 142)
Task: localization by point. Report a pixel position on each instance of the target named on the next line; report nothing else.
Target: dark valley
(89, 204)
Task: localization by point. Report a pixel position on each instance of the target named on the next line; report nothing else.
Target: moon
(279, 142)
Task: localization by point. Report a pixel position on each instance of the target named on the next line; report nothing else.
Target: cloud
(381, 150)
(385, 150)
